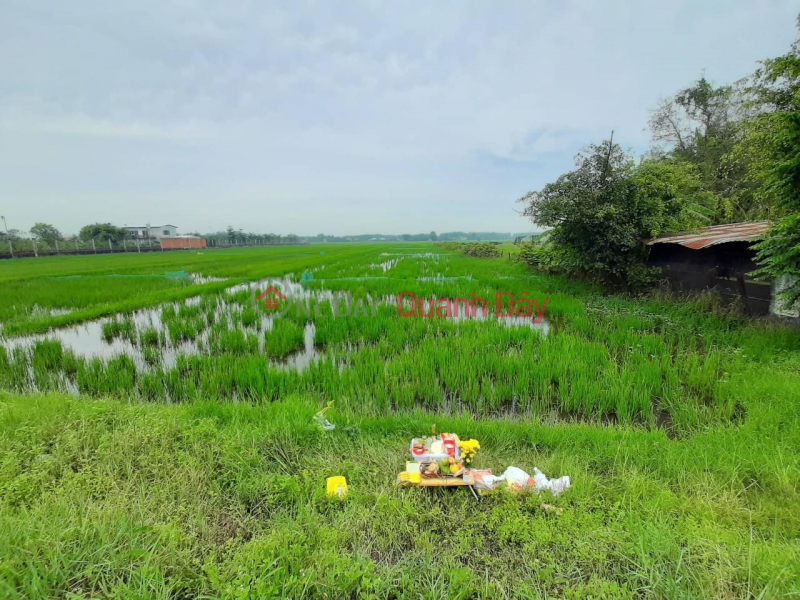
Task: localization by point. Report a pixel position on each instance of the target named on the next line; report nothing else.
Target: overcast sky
(338, 117)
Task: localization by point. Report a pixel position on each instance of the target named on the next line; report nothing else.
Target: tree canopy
(775, 131)
(102, 232)
(44, 232)
(602, 210)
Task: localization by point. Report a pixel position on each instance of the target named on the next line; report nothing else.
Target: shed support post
(743, 293)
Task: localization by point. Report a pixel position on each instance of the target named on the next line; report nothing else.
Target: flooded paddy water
(91, 339)
(155, 339)
(217, 345)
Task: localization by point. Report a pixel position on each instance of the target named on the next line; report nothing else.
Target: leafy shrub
(477, 249)
(641, 277)
(539, 256)
(601, 211)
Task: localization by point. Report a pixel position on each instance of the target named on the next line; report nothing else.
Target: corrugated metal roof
(718, 234)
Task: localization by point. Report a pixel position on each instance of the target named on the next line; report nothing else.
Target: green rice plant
(284, 338)
(185, 329)
(250, 318)
(152, 355)
(46, 359)
(151, 386)
(150, 337)
(168, 313)
(122, 328)
(5, 369)
(234, 341)
(14, 370)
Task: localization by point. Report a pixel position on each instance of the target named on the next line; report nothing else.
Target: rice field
(592, 359)
(664, 411)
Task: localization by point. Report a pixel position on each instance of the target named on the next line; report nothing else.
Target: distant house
(719, 258)
(153, 232)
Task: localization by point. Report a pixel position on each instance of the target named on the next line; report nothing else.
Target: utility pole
(10, 247)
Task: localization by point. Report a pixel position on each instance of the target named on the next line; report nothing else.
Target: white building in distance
(154, 232)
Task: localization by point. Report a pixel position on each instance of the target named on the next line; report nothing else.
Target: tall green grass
(207, 499)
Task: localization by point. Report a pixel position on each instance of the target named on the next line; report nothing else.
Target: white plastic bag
(517, 479)
(556, 486)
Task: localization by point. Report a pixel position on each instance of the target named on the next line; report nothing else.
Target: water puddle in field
(239, 287)
(300, 361)
(439, 278)
(385, 266)
(155, 338)
(542, 326)
(199, 278)
(43, 311)
(414, 254)
(146, 337)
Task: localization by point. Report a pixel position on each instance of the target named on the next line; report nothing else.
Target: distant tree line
(238, 237)
(47, 236)
(44, 237)
(451, 236)
(723, 154)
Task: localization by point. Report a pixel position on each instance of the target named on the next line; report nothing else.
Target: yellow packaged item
(337, 486)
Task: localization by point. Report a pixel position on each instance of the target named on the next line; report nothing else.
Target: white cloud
(82, 125)
(330, 105)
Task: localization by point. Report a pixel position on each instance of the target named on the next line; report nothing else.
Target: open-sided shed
(719, 258)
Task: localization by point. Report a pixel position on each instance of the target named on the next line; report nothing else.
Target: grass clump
(284, 338)
(150, 337)
(122, 328)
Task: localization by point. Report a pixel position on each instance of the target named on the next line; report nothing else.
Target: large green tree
(697, 121)
(13, 234)
(776, 132)
(102, 232)
(702, 125)
(601, 211)
(44, 232)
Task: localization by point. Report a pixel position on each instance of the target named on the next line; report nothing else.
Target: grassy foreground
(101, 498)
